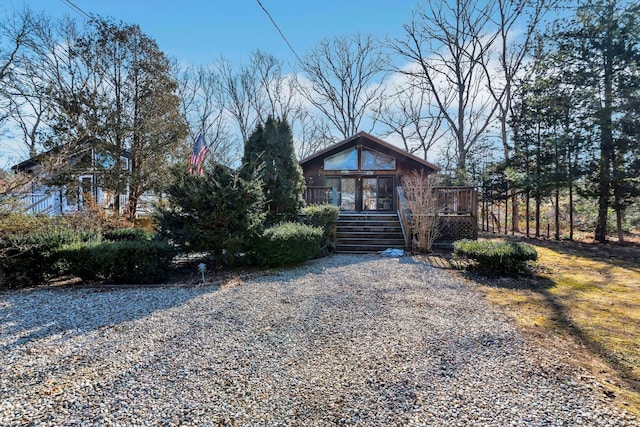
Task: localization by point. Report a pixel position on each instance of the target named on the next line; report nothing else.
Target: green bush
(30, 259)
(12, 223)
(217, 213)
(287, 243)
(497, 256)
(128, 234)
(127, 261)
(325, 217)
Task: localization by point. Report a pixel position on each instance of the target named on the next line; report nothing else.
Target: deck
(374, 231)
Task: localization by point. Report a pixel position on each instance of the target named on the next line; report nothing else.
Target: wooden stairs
(368, 232)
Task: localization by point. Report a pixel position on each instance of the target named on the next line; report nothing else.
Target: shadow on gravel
(29, 315)
(561, 318)
(32, 314)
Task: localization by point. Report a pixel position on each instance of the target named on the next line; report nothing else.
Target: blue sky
(201, 31)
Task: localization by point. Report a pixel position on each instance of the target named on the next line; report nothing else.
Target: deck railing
(322, 195)
(452, 201)
(403, 215)
(460, 201)
(456, 212)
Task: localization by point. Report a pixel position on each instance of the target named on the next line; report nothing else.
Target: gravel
(344, 340)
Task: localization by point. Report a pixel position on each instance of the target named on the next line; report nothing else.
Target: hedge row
(125, 261)
(121, 255)
(30, 259)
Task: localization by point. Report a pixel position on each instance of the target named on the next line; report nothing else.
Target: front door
(369, 194)
(363, 194)
(377, 194)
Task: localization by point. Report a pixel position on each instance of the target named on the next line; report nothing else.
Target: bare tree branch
(345, 80)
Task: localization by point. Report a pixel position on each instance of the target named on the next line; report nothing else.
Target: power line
(76, 8)
(279, 31)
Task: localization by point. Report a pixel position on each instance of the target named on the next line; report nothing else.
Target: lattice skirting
(454, 228)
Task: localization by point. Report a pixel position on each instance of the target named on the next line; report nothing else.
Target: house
(364, 170)
(64, 176)
(363, 176)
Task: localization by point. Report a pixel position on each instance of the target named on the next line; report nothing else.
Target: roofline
(374, 139)
(35, 160)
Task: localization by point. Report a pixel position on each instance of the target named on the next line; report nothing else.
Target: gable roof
(336, 147)
(79, 149)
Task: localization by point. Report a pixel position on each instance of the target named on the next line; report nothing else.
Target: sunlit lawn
(590, 296)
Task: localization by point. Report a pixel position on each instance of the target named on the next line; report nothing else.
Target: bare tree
(276, 91)
(202, 105)
(27, 106)
(344, 80)
(448, 45)
(238, 90)
(251, 93)
(421, 199)
(410, 114)
(314, 134)
(15, 35)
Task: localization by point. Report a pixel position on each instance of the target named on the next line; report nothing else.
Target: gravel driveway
(344, 340)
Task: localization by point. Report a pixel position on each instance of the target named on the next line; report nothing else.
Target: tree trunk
(132, 208)
(515, 212)
(619, 218)
(557, 214)
(606, 140)
(570, 210)
(528, 213)
(538, 202)
(506, 215)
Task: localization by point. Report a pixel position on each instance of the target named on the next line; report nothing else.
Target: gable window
(344, 160)
(371, 160)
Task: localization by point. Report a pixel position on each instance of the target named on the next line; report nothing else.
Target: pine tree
(269, 155)
(218, 212)
(601, 52)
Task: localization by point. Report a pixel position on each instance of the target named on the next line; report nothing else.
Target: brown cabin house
(363, 176)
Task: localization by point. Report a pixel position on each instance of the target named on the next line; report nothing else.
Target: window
(345, 160)
(372, 160)
(105, 160)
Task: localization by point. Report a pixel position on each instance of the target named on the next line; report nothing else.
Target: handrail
(35, 203)
(402, 214)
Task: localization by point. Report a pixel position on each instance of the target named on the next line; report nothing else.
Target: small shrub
(287, 243)
(127, 261)
(325, 217)
(495, 256)
(126, 234)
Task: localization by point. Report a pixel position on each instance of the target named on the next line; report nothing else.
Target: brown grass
(583, 299)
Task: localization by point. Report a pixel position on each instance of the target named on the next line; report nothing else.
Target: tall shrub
(421, 200)
(269, 155)
(217, 212)
(287, 243)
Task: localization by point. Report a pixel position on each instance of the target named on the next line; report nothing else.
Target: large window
(370, 160)
(374, 161)
(343, 161)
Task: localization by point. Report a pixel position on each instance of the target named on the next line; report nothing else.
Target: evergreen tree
(269, 155)
(218, 212)
(600, 49)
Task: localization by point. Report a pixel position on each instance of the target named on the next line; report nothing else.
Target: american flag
(199, 153)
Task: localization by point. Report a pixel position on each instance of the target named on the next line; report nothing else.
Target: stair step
(367, 233)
